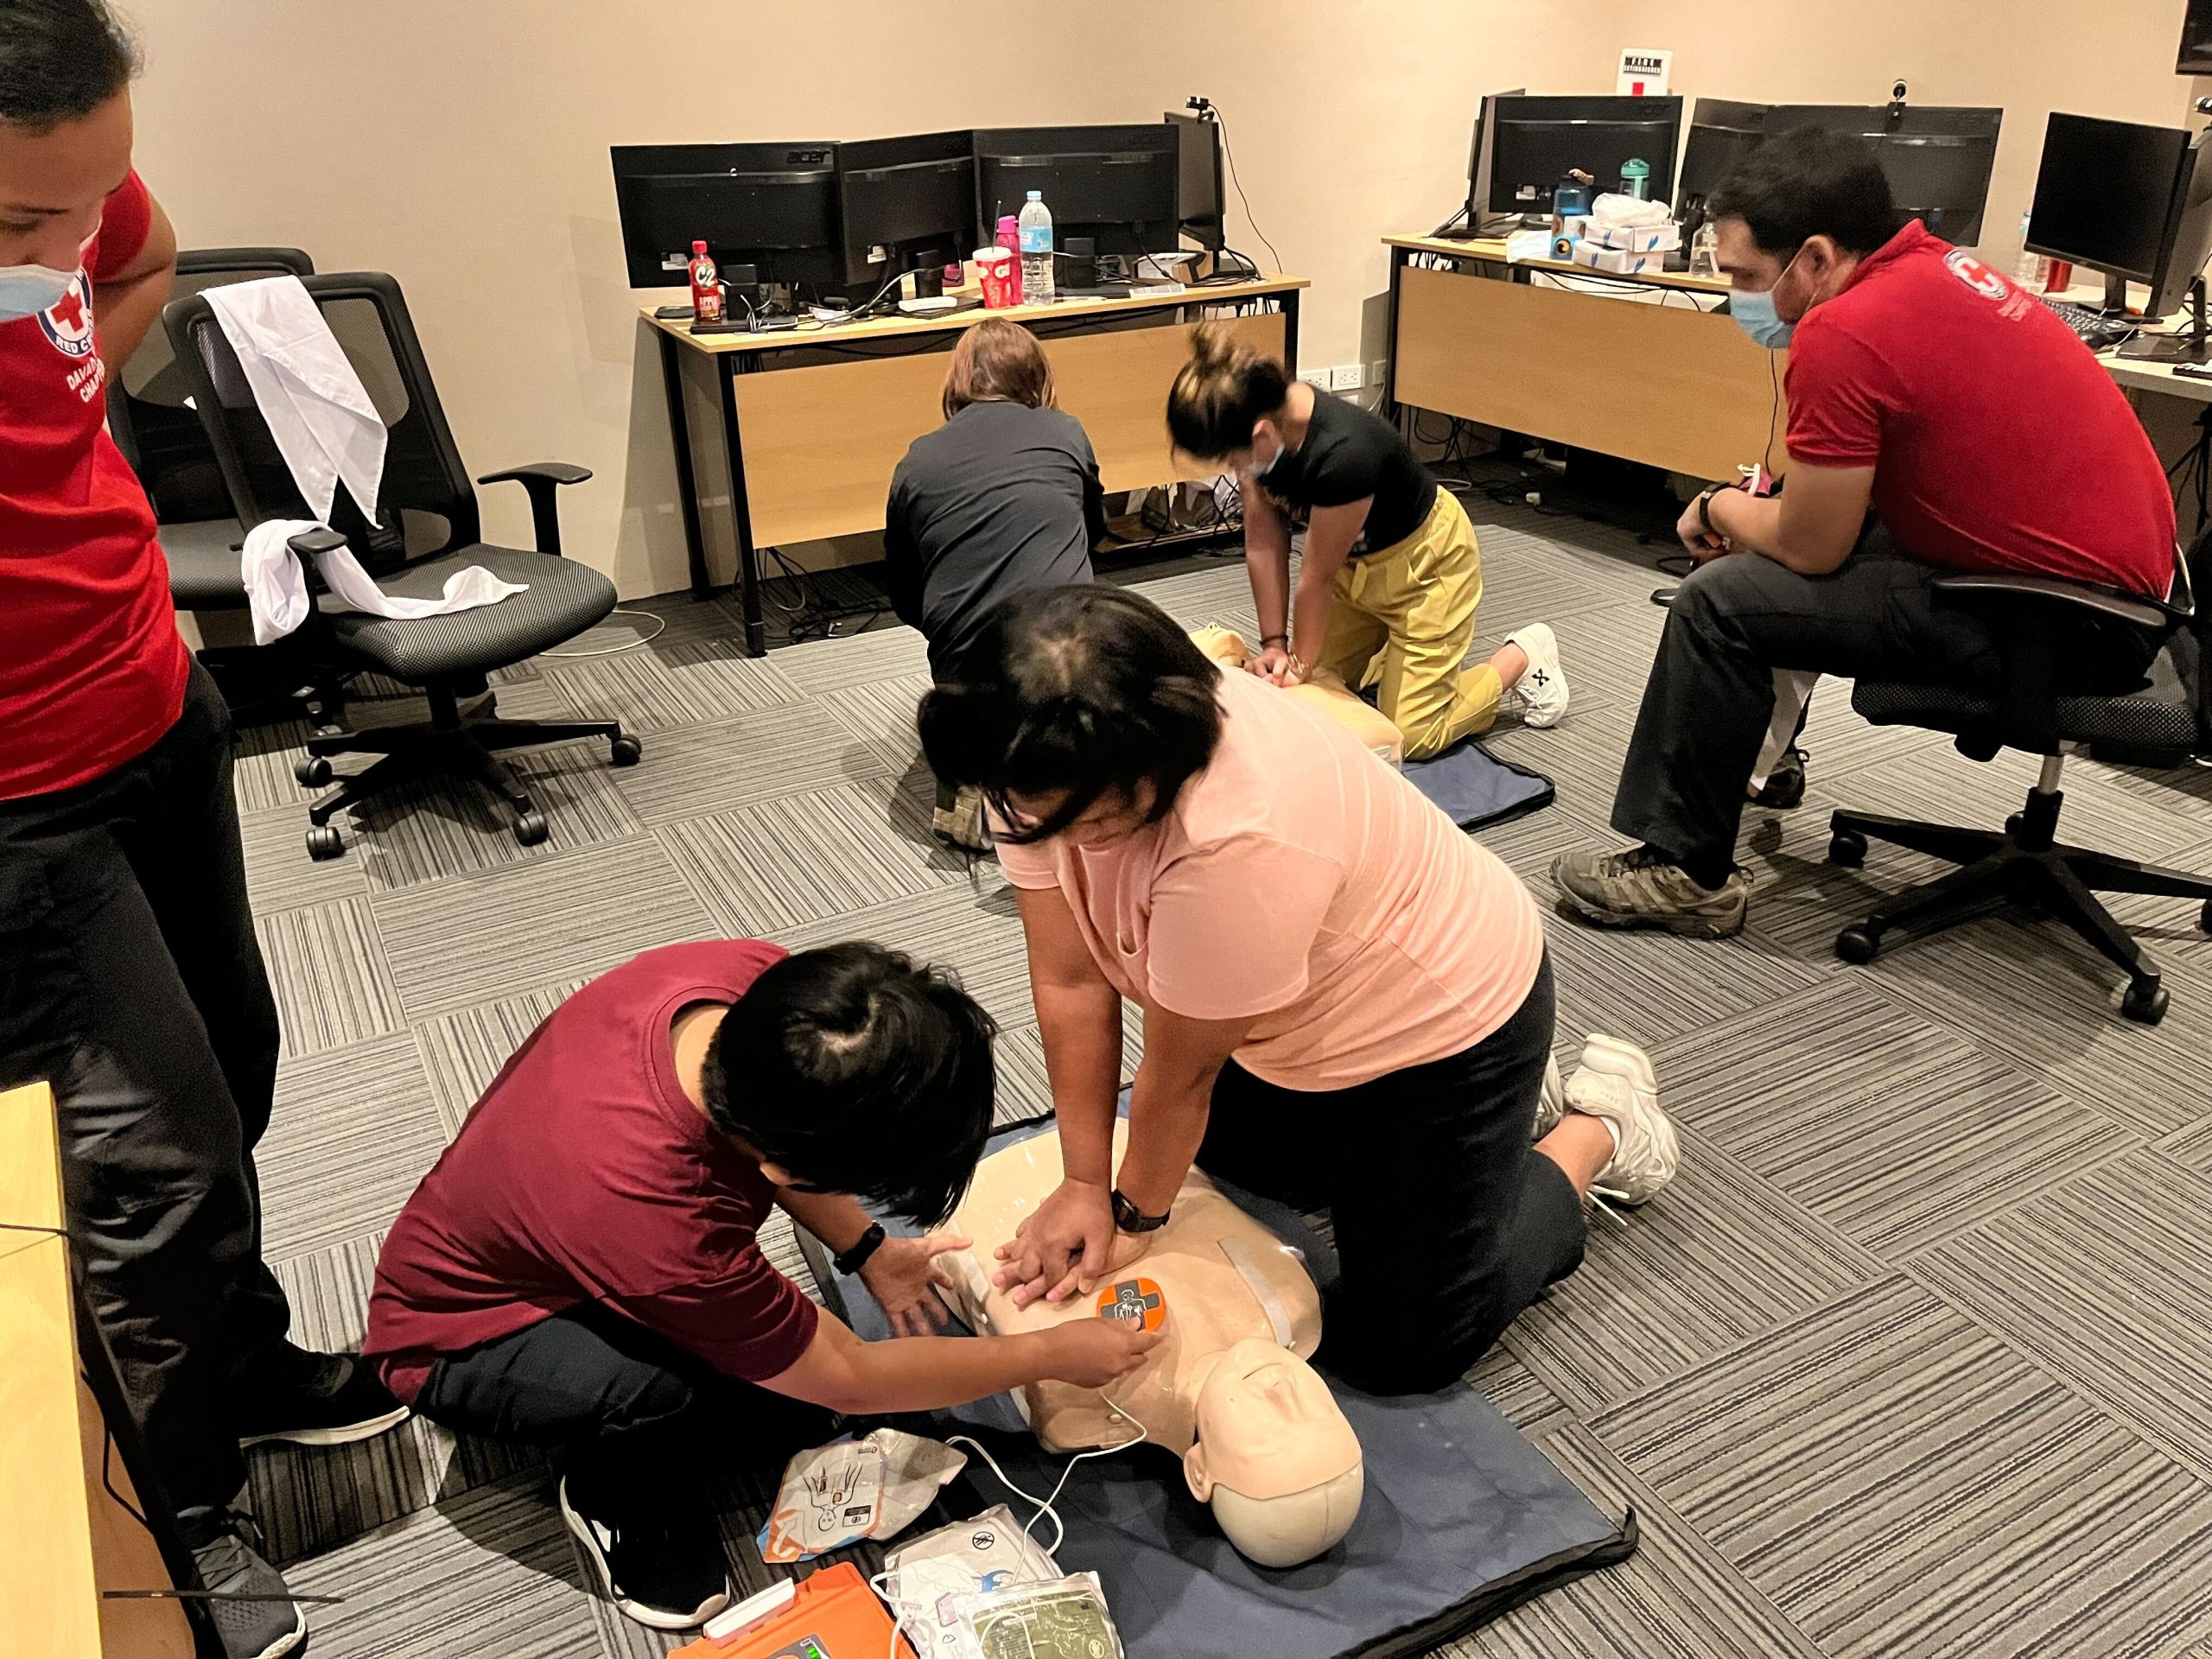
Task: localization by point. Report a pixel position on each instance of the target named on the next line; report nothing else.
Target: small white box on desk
(1636, 238)
(1617, 261)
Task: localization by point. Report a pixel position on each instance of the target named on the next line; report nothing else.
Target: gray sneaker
(1641, 889)
(248, 1601)
(1551, 1103)
(1615, 1082)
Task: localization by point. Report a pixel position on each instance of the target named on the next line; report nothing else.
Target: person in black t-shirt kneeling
(1390, 577)
(1003, 497)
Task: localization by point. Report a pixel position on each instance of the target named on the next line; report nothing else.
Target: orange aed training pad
(832, 1615)
(1137, 1301)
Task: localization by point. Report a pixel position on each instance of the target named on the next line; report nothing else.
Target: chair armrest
(540, 479)
(2128, 608)
(309, 543)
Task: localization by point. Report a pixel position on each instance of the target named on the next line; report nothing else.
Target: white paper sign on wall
(1644, 71)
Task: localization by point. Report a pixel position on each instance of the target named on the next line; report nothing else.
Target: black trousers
(1447, 1223)
(636, 1416)
(1737, 620)
(131, 980)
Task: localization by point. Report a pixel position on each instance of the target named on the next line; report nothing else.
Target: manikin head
(1275, 1458)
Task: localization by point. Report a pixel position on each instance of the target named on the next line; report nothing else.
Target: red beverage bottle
(706, 286)
(1010, 238)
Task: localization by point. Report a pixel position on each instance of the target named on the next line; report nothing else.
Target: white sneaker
(1551, 1103)
(1615, 1082)
(1543, 687)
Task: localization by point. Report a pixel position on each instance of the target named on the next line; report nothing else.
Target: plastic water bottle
(1036, 227)
(2033, 270)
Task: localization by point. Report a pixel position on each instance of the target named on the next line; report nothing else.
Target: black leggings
(1447, 1223)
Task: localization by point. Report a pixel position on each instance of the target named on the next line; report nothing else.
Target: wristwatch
(856, 1258)
(1130, 1219)
(1705, 508)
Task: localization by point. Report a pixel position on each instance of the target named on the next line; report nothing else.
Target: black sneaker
(251, 1606)
(1785, 789)
(324, 1400)
(663, 1566)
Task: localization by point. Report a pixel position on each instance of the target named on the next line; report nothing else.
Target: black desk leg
(741, 512)
(1390, 339)
(687, 487)
(1289, 301)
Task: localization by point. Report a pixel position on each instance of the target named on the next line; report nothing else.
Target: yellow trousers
(1404, 622)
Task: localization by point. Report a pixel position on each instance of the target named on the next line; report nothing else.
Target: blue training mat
(1474, 788)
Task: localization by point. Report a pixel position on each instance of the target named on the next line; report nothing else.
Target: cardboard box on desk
(1617, 261)
(1635, 238)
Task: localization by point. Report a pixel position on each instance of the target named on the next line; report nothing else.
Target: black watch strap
(1705, 506)
(1130, 1219)
(856, 1258)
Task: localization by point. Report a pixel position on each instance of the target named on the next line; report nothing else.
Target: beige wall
(462, 146)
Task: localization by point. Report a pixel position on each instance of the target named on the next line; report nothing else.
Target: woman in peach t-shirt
(1347, 1003)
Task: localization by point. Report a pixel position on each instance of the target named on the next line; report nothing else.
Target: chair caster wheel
(2204, 917)
(1848, 849)
(2146, 1002)
(1858, 944)
(311, 770)
(625, 750)
(323, 842)
(531, 828)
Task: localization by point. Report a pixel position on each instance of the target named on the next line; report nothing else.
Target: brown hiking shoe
(1641, 889)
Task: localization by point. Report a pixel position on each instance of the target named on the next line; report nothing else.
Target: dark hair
(998, 362)
(1806, 183)
(1227, 385)
(59, 59)
(1090, 689)
(860, 1073)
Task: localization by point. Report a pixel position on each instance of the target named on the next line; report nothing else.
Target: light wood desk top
(1491, 249)
(902, 327)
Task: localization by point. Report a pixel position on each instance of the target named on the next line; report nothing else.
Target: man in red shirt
(130, 975)
(1925, 389)
(581, 1270)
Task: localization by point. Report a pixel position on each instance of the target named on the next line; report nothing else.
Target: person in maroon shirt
(1941, 420)
(582, 1269)
(130, 975)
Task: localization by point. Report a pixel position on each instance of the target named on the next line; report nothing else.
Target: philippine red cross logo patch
(68, 320)
(1975, 274)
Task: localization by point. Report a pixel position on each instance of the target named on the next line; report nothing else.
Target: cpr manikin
(1321, 690)
(1227, 1388)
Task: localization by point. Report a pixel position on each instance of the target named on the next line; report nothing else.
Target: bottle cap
(698, 247)
(1006, 222)
(1036, 195)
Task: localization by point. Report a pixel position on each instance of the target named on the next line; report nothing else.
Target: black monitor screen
(1539, 139)
(1119, 185)
(906, 202)
(772, 206)
(2195, 57)
(2105, 193)
(1199, 201)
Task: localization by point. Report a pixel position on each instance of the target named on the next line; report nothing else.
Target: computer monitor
(2195, 55)
(1938, 159)
(2133, 201)
(1119, 185)
(1471, 218)
(1537, 140)
(1201, 206)
(772, 207)
(908, 203)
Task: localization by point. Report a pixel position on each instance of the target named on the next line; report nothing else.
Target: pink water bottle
(1010, 238)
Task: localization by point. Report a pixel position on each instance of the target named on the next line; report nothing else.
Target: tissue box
(1635, 238)
(1619, 261)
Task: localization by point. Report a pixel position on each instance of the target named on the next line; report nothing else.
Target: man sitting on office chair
(1982, 436)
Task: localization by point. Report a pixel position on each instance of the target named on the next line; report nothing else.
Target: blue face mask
(1756, 315)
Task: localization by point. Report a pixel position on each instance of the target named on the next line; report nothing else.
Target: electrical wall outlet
(1316, 378)
(1348, 377)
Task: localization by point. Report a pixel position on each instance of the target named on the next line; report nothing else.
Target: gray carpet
(1912, 1359)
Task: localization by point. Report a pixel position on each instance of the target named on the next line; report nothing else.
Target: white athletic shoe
(1615, 1082)
(1551, 1104)
(1543, 687)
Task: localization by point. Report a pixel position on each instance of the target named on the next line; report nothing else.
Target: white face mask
(26, 290)
(1259, 471)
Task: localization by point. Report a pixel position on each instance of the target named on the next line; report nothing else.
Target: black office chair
(429, 530)
(2164, 722)
(167, 447)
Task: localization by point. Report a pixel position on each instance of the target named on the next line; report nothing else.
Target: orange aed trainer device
(1134, 1301)
(832, 1615)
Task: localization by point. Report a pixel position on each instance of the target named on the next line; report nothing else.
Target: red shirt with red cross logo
(93, 669)
(1998, 441)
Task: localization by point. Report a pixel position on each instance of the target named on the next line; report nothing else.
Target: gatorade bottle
(706, 286)
(1036, 231)
(1010, 238)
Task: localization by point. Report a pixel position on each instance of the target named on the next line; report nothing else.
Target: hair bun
(1214, 346)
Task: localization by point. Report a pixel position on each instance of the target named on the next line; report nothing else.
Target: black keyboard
(2097, 331)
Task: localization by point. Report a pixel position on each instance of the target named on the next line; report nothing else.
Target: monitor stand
(2194, 346)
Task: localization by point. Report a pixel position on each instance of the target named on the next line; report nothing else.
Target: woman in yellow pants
(1390, 575)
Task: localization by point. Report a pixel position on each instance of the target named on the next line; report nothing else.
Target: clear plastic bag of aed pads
(1061, 1618)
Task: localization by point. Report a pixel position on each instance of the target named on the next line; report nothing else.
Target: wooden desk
(1670, 385)
(797, 432)
(64, 1536)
